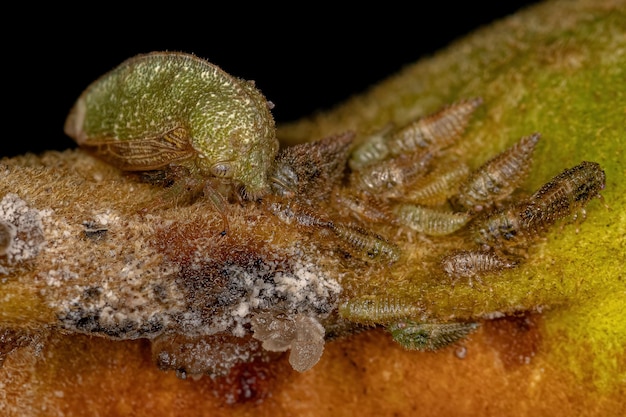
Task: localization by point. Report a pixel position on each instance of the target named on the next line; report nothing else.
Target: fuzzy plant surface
(565, 77)
(102, 289)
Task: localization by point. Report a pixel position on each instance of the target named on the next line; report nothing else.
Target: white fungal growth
(298, 288)
(21, 232)
(284, 310)
(132, 303)
(278, 300)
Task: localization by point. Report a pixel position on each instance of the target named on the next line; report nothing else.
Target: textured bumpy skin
(436, 131)
(496, 179)
(563, 196)
(166, 108)
(471, 264)
(429, 336)
(430, 221)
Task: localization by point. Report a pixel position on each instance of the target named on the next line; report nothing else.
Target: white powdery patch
(307, 294)
(307, 286)
(299, 288)
(289, 285)
(21, 232)
(283, 301)
(107, 218)
(133, 303)
(129, 296)
(59, 277)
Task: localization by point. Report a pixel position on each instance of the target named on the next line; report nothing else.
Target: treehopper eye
(165, 110)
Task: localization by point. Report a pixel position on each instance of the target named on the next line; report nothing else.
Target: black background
(304, 57)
